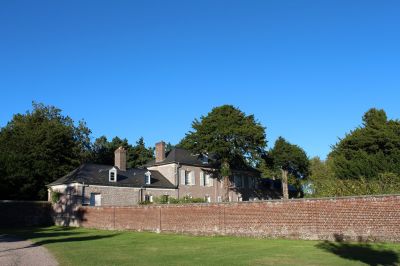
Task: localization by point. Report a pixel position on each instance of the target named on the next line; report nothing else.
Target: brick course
(352, 218)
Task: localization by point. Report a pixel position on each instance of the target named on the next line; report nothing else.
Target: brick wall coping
(363, 197)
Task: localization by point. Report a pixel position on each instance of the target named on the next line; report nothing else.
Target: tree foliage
(36, 148)
(234, 137)
(324, 183)
(140, 155)
(369, 150)
(288, 161)
(235, 140)
(43, 145)
(287, 156)
(137, 156)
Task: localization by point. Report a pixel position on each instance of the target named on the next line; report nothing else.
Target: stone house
(176, 174)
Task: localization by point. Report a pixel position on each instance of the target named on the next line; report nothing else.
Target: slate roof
(182, 156)
(97, 174)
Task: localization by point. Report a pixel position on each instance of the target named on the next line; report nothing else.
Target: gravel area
(15, 251)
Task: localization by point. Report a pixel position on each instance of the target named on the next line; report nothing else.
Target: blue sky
(307, 70)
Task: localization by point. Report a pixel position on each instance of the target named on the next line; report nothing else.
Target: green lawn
(78, 246)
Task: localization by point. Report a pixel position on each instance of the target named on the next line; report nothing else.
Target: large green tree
(287, 160)
(36, 148)
(369, 150)
(237, 140)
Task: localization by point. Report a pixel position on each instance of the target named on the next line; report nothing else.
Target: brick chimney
(120, 158)
(160, 151)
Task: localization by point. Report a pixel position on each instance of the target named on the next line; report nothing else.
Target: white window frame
(112, 171)
(147, 178)
(189, 178)
(182, 176)
(206, 179)
(202, 179)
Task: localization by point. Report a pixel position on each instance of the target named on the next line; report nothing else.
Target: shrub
(165, 199)
(55, 196)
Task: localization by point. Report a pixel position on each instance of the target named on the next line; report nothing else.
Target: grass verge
(80, 246)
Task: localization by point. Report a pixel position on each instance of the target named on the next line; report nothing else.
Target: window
(112, 175)
(187, 178)
(219, 199)
(147, 178)
(206, 180)
(148, 198)
(209, 182)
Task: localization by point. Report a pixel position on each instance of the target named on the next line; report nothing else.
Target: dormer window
(147, 178)
(112, 175)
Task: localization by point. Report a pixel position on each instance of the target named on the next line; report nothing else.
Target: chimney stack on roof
(160, 151)
(120, 158)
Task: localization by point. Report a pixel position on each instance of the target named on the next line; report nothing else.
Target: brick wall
(25, 213)
(352, 218)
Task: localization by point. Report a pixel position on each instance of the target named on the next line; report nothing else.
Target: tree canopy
(36, 148)
(137, 156)
(229, 134)
(43, 145)
(287, 159)
(369, 150)
(287, 156)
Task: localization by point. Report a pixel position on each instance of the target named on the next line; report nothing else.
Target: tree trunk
(226, 188)
(285, 191)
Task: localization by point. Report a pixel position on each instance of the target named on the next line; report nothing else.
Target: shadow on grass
(72, 239)
(372, 255)
(33, 233)
(44, 236)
